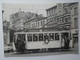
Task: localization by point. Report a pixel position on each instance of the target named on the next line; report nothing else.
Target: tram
(39, 41)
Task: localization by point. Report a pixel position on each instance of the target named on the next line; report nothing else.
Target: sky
(11, 8)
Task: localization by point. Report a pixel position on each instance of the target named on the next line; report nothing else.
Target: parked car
(7, 48)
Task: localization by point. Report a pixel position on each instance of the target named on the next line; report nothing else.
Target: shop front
(74, 33)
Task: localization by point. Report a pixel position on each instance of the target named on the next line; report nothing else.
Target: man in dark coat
(67, 41)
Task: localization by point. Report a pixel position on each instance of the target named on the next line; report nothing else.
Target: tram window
(23, 36)
(35, 37)
(40, 37)
(56, 36)
(46, 36)
(18, 37)
(51, 36)
(29, 37)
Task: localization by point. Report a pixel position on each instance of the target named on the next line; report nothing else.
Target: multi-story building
(29, 18)
(6, 33)
(22, 21)
(63, 17)
(16, 21)
(51, 18)
(36, 23)
(74, 20)
(59, 16)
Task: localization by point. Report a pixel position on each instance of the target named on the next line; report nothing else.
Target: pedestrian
(65, 43)
(68, 43)
(22, 46)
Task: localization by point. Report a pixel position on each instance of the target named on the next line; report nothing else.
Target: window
(65, 10)
(69, 19)
(23, 36)
(41, 23)
(46, 36)
(53, 11)
(66, 20)
(62, 20)
(51, 36)
(35, 37)
(57, 20)
(29, 37)
(48, 14)
(75, 23)
(41, 37)
(38, 23)
(75, 11)
(47, 20)
(59, 11)
(51, 19)
(56, 36)
(32, 25)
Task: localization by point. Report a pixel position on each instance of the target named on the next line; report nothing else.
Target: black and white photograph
(32, 29)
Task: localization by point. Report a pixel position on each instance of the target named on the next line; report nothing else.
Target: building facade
(51, 18)
(64, 17)
(59, 16)
(35, 24)
(16, 21)
(74, 19)
(6, 33)
(29, 18)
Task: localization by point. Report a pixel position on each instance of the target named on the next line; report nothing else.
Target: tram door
(63, 38)
(20, 42)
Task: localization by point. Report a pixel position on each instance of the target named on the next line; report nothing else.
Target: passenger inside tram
(40, 37)
(51, 36)
(35, 37)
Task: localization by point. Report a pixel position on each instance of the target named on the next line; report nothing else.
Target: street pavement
(71, 51)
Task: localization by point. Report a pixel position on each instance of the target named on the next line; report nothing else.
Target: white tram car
(36, 41)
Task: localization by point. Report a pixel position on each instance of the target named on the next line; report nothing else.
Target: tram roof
(41, 32)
